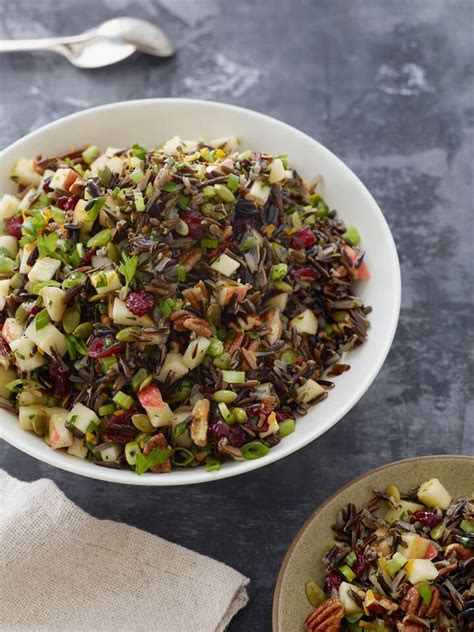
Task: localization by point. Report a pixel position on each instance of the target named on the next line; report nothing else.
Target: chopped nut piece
(199, 423)
(326, 617)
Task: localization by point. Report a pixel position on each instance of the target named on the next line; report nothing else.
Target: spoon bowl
(106, 44)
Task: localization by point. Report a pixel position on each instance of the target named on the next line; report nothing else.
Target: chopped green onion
(180, 429)
(139, 201)
(182, 462)
(183, 201)
(212, 465)
(6, 264)
(233, 182)
(226, 414)
(107, 409)
(249, 242)
(351, 558)
(171, 187)
(425, 593)
(123, 400)
(42, 319)
(224, 193)
(105, 176)
(216, 348)
(209, 192)
(138, 151)
(234, 377)
(75, 278)
(131, 451)
(138, 378)
(137, 175)
(286, 427)
(397, 562)
(166, 307)
(93, 212)
(90, 154)
(353, 618)
(467, 526)
(278, 271)
(352, 235)
(222, 361)
(155, 457)
(39, 286)
(181, 273)
(254, 450)
(100, 239)
(289, 356)
(347, 572)
(209, 242)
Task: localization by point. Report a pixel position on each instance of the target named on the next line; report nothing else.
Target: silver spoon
(106, 44)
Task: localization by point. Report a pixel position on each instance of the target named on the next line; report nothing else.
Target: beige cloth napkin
(61, 569)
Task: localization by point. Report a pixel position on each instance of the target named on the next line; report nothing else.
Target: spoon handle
(12, 46)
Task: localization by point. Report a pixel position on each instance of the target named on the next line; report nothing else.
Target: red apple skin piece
(150, 397)
(362, 272)
(71, 177)
(430, 552)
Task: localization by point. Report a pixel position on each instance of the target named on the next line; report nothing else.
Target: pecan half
(197, 296)
(199, 423)
(412, 603)
(192, 257)
(326, 617)
(232, 344)
(378, 604)
(459, 551)
(198, 325)
(157, 441)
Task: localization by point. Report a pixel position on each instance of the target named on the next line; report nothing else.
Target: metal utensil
(106, 44)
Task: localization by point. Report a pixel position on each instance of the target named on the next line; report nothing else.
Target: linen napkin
(61, 569)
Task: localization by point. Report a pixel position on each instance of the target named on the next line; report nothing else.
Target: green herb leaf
(171, 187)
(93, 212)
(42, 319)
(138, 151)
(47, 245)
(128, 267)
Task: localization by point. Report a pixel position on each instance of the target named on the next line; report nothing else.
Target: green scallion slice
(123, 400)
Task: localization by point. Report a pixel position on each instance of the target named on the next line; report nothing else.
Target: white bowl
(153, 121)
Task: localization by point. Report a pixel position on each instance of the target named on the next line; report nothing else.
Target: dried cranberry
(332, 580)
(303, 238)
(14, 225)
(87, 258)
(67, 202)
(304, 272)
(103, 347)
(234, 434)
(139, 302)
(426, 518)
(359, 565)
(193, 220)
(120, 428)
(282, 414)
(273, 440)
(46, 187)
(60, 384)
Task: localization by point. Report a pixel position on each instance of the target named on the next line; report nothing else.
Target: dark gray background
(386, 86)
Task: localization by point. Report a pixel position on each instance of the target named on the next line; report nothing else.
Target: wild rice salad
(171, 307)
(405, 562)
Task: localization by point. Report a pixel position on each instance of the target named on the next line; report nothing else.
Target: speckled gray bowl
(302, 562)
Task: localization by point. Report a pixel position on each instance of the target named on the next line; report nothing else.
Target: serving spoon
(106, 44)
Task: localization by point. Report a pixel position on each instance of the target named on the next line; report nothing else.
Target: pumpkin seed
(113, 252)
(39, 422)
(71, 318)
(315, 593)
(142, 423)
(213, 314)
(83, 331)
(129, 334)
(226, 397)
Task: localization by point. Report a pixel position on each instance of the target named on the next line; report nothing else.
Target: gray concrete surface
(388, 86)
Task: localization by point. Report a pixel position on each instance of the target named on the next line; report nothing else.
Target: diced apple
(47, 338)
(6, 376)
(225, 265)
(158, 411)
(80, 417)
(308, 391)
(30, 396)
(121, 315)
(259, 192)
(44, 269)
(77, 448)
(54, 301)
(279, 301)
(362, 271)
(173, 366)
(63, 179)
(26, 356)
(59, 435)
(184, 439)
(420, 571)
(115, 164)
(11, 330)
(98, 164)
(81, 216)
(432, 493)
(189, 146)
(305, 323)
(227, 143)
(196, 352)
(277, 171)
(272, 319)
(4, 292)
(26, 414)
(413, 546)
(403, 507)
(349, 604)
(172, 144)
(226, 293)
(10, 244)
(24, 172)
(8, 206)
(273, 426)
(25, 255)
(105, 281)
(100, 261)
